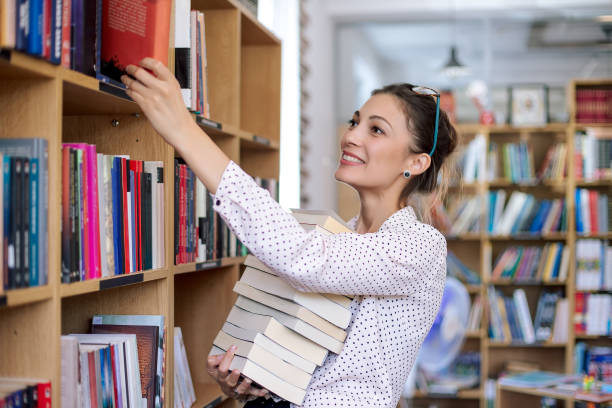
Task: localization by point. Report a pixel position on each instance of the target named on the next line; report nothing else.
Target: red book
(44, 395)
(89, 272)
(126, 237)
(66, 19)
(94, 208)
(46, 29)
(139, 195)
(593, 211)
(66, 227)
(136, 220)
(113, 351)
(183, 226)
(93, 393)
(580, 312)
(131, 31)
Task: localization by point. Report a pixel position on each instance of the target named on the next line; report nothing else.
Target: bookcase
(478, 250)
(38, 99)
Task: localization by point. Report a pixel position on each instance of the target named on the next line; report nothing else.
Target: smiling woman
(393, 264)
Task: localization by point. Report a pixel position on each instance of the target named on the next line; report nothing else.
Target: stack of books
(463, 216)
(282, 334)
(184, 393)
(24, 392)
(553, 167)
(593, 314)
(593, 154)
(532, 264)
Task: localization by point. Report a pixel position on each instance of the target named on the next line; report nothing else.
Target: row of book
(282, 334)
(510, 320)
(96, 37)
(554, 166)
(533, 263)
(471, 160)
(594, 104)
(593, 314)
(475, 315)
(23, 219)
(184, 392)
(461, 217)
(190, 56)
(511, 161)
(595, 361)
(120, 364)
(457, 269)
(592, 212)
(593, 265)
(112, 214)
(524, 214)
(593, 154)
(25, 393)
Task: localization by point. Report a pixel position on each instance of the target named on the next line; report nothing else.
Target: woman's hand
(218, 368)
(159, 97)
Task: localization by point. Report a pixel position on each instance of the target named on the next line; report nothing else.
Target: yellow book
(504, 317)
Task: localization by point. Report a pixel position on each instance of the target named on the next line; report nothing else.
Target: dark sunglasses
(423, 90)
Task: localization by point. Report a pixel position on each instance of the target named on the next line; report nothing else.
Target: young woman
(393, 264)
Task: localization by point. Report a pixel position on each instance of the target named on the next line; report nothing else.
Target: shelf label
(207, 122)
(121, 281)
(208, 265)
(261, 140)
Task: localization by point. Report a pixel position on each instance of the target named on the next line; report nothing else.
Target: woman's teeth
(351, 159)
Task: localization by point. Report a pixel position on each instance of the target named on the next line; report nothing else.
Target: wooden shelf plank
(24, 296)
(499, 344)
(536, 392)
(553, 236)
(223, 130)
(594, 183)
(473, 289)
(17, 65)
(591, 337)
(208, 395)
(197, 267)
(475, 334)
(553, 184)
(96, 285)
(461, 394)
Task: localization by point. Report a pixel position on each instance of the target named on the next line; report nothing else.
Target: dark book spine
(8, 220)
(16, 200)
(66, 236)
(210, 236)
(74, 229)
(219, 231)
(34, 223)
(56, 31)
(34, 36)
(148, 214)
(25, 224)
(22, 24)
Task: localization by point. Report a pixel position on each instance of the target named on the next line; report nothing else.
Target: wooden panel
(223, 64)
(260, 163)
(146, 298)
(254, 33)
(260, 90)
(201, 304)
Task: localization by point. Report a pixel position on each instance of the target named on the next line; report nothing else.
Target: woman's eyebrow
(381, 118)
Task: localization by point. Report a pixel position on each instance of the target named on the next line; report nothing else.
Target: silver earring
(406, 174)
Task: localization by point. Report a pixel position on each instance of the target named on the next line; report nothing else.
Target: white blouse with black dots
(397, 275)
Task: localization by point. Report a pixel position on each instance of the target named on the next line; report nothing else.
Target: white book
(270, 345)
(182, 41)
(520, 303)
(183, 382)
(292, 323)
(560, 325)
(265, 359)
(282, 335)
(291, 308)
(131, 381)
(511, 212)
(608, 269)
(500, 200)
(264, 378)
(315, 302)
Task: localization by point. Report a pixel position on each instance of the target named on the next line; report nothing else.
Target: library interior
(130, 265)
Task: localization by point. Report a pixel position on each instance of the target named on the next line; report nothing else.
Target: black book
(177, 181)
(16, 228)
(210, 236)
(75, 222)
(25, 224)
(147, 222)
(220, 235)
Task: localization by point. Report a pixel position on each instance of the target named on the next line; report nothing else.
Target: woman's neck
(375, 210)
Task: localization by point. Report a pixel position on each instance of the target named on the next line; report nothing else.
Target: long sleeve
(396, 260)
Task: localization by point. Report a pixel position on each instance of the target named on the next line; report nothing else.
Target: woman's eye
(377, 130)
(352, 123)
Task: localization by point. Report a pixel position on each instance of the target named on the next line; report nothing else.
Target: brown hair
(424, 191)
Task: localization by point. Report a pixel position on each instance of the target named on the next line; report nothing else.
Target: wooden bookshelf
(38, 99)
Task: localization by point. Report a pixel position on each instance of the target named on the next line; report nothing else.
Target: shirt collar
(398, 218)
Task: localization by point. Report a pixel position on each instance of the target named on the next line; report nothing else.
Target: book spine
(94, 208)
(56, 32)
(176, 213)
(35, 39)
(7, 263)
(22, 23)
(25, 223)
(16, 199)
(34, 223)
(66, 34)
(148, 222)
(124, 200)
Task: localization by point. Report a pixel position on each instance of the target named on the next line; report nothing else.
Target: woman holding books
(393, 264)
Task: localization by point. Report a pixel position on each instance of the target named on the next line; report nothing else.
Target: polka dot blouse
(396, 274)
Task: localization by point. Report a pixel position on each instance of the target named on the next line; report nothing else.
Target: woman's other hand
(218, 368)
(159, 97)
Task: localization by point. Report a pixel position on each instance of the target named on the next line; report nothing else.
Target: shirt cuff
(232, 187)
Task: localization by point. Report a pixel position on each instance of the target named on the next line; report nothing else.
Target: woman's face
(374, 149)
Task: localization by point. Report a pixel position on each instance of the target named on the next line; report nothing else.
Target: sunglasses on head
(423, 90)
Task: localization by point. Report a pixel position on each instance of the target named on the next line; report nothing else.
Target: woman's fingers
(232, 379)
(227, 360)
(159, 69)
(244, 387)
(142, 75)
(212, 363)
(134, 85)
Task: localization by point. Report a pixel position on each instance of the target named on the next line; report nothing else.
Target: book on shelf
(594, 361)
(184, 393)
(471, 160)
(532, 264)
(593, 154)
(554, 166)
(510, 320)
(593, 265)
(592, 212)
(592, 314)
(535, 379)
(282, 334)
(475, 315)
(150, 336)
(593, 104)
(112, 214)
(101, 370)
(461, 217)
(24, 219)
(524, 214)
(24, 392)
(462, 374)
(457, 269)
(512, 162)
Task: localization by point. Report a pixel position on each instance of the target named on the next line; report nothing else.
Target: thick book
(314, 302)
(291, 308)
(327, 219)
(132, 31)
(293, 323)
(264, 358)
(274, 330)
(264, 378)
(269, 345)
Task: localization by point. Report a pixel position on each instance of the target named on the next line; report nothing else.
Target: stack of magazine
(282, 334)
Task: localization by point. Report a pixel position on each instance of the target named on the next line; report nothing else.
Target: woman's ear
(419, 164)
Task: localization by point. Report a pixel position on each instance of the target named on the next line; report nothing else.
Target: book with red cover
(124, 191)
(137, 237)
(579, 313)
(66, 42)
(132, 30)
(593, 211)
(147, 338)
